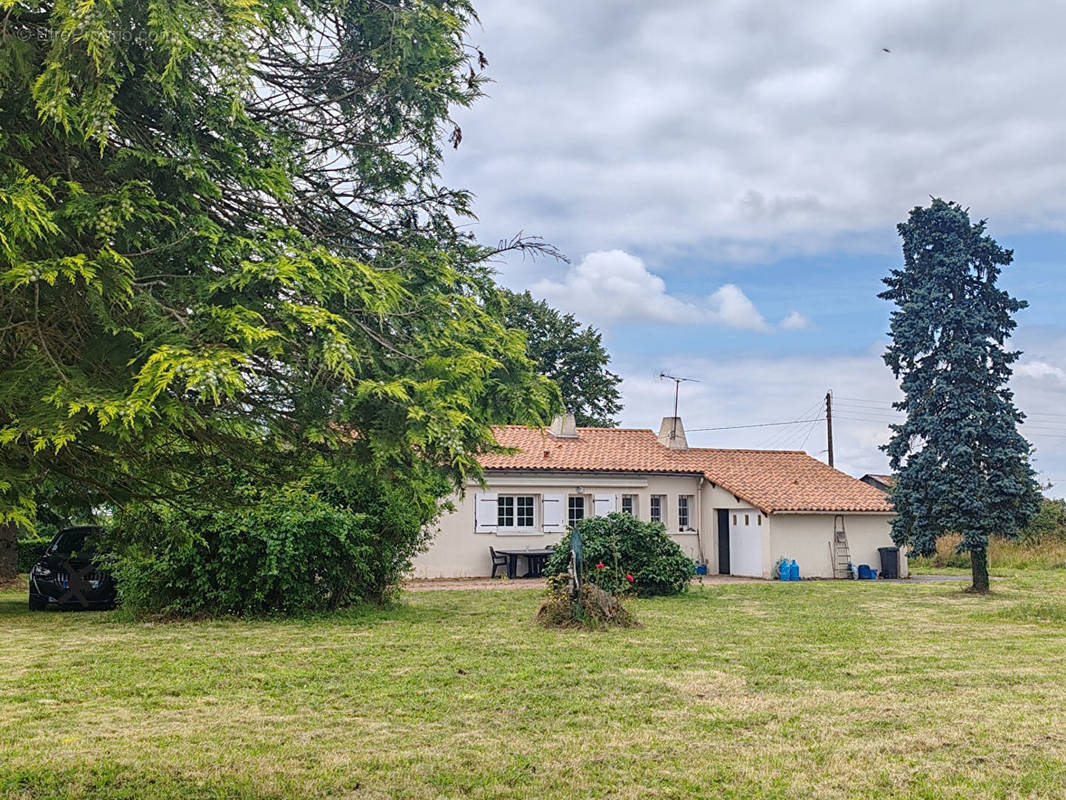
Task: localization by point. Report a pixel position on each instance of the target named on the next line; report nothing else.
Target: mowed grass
(770, 690)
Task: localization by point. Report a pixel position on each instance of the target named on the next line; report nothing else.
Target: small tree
(572, 356)
(961, 465)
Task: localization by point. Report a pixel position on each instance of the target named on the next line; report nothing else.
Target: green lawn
(807, 690)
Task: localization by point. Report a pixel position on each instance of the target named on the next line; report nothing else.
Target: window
(514, 511)
(734, 519)
(657, 508)
(524, 512)
(629, 504)
(682, 512)
(747, 520)
(575, 509)
(758, 518)
(505, 512)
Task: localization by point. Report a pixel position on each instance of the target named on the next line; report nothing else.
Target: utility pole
(677, 389)
(829, 424)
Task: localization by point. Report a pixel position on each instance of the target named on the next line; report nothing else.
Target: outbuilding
(735, 511)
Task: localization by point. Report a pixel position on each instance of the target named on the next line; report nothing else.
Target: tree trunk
(9, 553)
(979, 568)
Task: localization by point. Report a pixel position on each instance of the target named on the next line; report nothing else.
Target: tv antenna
(677, 389)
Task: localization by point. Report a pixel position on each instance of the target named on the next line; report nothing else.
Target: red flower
(600, 565)
(629, 577)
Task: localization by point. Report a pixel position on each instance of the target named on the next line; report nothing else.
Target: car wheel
(37, 603)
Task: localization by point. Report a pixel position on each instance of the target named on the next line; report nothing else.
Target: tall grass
(1049, 553)
(1041, 545)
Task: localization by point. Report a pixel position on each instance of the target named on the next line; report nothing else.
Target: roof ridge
(580, 428)
(615, 430)
(744, 450)
(768, 479)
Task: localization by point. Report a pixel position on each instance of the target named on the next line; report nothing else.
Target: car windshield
(70, 541)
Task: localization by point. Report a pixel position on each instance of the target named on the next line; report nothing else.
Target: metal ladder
(841, 551)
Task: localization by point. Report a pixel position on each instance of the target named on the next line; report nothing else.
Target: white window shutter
(486, 510)
(552, 508)
(605, 504)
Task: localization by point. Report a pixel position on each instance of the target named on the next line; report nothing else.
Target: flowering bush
(622, 554)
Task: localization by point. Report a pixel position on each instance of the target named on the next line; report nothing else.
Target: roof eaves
(738, 494)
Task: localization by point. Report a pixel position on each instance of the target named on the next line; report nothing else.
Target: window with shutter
(486, 512)
(552, 513)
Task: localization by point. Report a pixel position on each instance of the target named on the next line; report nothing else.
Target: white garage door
(745, 543)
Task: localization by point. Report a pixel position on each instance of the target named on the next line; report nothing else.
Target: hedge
(30, 550)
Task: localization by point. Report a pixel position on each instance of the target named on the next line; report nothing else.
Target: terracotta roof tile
(772, 480)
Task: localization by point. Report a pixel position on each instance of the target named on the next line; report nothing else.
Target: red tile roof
(771, 480)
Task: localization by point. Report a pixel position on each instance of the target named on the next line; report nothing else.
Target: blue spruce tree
(961, 466)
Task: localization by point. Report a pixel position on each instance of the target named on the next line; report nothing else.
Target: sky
(726, 179)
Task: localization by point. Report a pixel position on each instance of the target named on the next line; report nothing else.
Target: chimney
(672, 434)
(564, 426)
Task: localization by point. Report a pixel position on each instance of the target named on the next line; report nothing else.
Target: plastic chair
(497, 561)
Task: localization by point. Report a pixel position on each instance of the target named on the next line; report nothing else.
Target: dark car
(67, 575)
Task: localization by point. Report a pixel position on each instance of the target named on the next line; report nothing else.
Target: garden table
(535, 560)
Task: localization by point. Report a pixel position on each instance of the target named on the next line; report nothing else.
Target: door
(723, 541)
(745, 542)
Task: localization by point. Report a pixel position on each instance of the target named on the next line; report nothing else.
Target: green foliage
(288, 549)
(962, 466)
(223, 243)
(572, 356)
(30, 550)
(626, 546)
(1049, 524)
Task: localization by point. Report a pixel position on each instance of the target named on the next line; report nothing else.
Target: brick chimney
(672, 434)
(564, 426)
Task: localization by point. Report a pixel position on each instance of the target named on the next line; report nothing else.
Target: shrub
(593, 608)
(30, 548)
(1048, 524)
(285, 550)
(625, 546)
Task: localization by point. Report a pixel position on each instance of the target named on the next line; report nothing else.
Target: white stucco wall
(457, 551)
(808, 538)
(713, 498)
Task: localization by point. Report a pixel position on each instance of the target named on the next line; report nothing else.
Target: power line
(810, 430)
(757, 425)
(862, 400)
(776, 437)
(885, 422)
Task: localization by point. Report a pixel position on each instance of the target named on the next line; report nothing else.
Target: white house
(736, 511)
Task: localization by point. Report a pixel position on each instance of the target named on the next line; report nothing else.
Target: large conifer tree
(224, 243)
(962, 466)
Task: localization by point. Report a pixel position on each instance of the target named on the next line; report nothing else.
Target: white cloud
(795, 321)
(753, 391)
(1040, 370)
(614, 285)
(734, 390)
(731, 307)
(764, 127)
